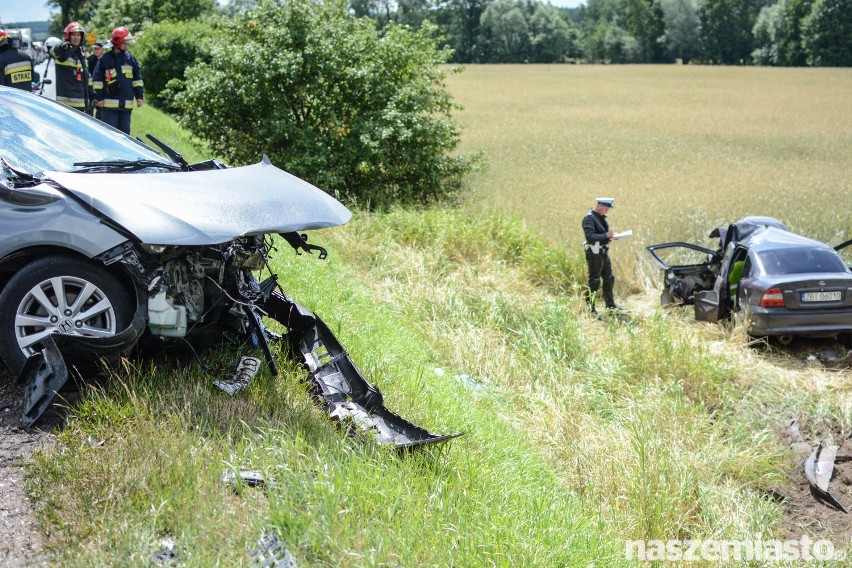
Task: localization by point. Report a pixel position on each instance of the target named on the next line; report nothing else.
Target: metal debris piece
(167, 553)
(800, 448)
(271, 553)
(247, 368)
(793, 432)
(43, 375)
(338, 384)
(829, 355)
(249, 478)
(818, 469)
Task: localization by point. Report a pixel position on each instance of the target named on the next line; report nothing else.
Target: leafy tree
(505, 32)
(683, 28)
(644, 22)
(552, 37)
(165, 50)
(380, 11)
(362, 114)
(69, 11)
(827, 34)
(137, 14)
(726, 27)
(620, 46)
(769, 32)
(793, 53)
(459, 21)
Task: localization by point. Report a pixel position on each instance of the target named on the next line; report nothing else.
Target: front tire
(62, 295)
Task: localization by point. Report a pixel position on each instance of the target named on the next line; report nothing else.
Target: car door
(716, 302)
(687, 269)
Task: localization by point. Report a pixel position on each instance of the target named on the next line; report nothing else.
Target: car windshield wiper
(123, 166)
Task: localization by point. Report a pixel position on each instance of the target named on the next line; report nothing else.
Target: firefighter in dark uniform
(15, 65)
(598, 235)
(72, 75)
(118, 82)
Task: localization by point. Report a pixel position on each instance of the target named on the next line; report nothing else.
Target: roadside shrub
(164, 51)
(360, 113)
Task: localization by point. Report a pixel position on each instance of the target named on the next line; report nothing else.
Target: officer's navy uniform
(595, 227)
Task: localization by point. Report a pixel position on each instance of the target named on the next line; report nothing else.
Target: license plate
(821, 296)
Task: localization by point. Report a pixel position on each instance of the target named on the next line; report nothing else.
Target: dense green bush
(329, 98)
(164, 52)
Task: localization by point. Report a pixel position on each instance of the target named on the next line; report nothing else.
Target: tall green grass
(150, 120)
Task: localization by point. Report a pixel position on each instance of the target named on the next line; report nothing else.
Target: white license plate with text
(821, 296)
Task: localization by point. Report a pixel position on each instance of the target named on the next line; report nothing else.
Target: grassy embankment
(579, 434)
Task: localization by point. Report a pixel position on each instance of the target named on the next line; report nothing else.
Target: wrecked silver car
(785, 284)
(106, 244)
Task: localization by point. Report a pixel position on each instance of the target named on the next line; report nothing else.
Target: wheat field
(682, 149)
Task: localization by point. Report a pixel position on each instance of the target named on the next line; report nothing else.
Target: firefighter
(15, 65)
(72, 76)
(118, 82)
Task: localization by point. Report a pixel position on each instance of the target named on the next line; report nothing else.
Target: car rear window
(800, 261)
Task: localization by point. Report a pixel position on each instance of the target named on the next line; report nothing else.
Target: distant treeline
(731, 32)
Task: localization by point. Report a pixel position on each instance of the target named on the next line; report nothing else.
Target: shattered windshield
(40, 135)
(800, 261)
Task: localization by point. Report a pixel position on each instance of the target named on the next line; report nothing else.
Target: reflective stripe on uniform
(71, 101)
(137, 83)
(20, 72)
(115, 103)
(68, 62)
(98, 84)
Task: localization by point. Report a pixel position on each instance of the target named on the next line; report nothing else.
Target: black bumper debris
(336, 382)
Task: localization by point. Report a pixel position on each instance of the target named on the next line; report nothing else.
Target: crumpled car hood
(206, 207)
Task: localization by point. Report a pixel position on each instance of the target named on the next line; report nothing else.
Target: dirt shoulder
(22, 543)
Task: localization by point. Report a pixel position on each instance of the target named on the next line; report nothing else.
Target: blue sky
(23, 11)
(36, 10)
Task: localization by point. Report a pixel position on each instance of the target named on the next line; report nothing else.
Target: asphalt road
(50, 66)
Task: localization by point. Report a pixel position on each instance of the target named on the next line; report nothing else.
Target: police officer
(72, 75)
(15, 65)
(598, 235)
(117, 81)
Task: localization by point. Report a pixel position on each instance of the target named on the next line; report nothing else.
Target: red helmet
(4, 35)
(119, 35)
(73, 27)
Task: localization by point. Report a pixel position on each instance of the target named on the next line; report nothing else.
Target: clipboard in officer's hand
(623, 235)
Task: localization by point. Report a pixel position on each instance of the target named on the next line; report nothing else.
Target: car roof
(771, 238)
(741, 230)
